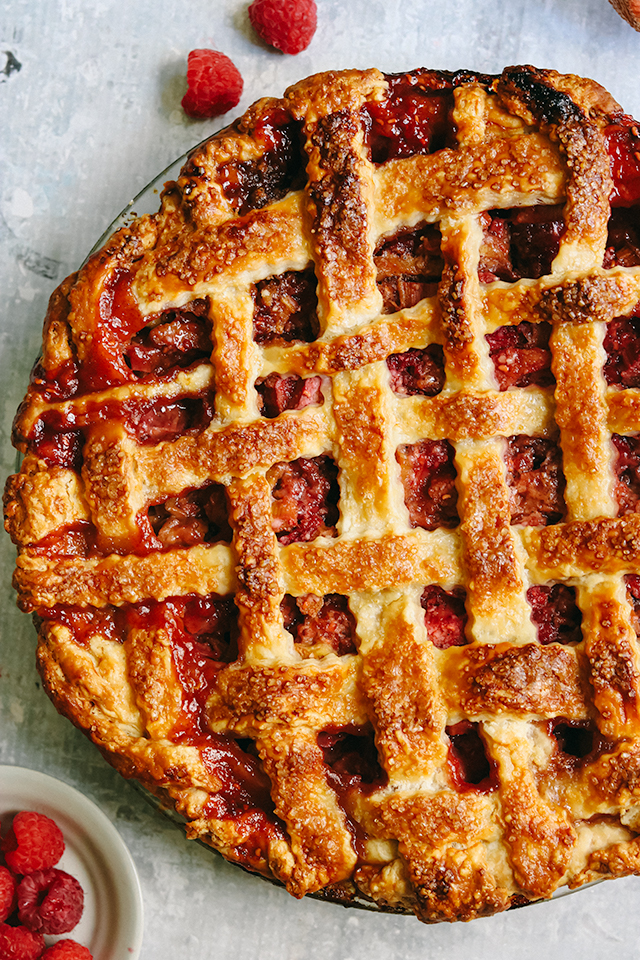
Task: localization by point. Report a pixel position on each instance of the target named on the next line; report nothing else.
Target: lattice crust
(328, 511)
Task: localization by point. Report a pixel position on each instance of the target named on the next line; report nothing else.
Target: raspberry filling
(277, 393)
(623, 144)
(536, 482)
(195, 516)
(252, 184)
(428, 477)
(623, 238)
(58, 437)
(518, 243)
(627, 470)
(467, 761)
(417, 372)
(579, 742)
(622, 346)
(555, 613)
(305, 499)
(85, 622)
(521, 355)
(409, 266)
(176, 339)
(445, 616)
(414, 118)
(285, 308)
(632, 581)
(320, 624)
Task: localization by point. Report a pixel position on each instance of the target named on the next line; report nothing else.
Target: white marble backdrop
(89, 113)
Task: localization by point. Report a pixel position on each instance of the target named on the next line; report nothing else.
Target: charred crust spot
(547, 104)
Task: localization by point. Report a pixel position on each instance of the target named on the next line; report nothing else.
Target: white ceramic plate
(111, 924)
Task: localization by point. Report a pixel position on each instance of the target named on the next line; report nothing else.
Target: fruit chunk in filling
(622, 346)
(521, 355)
(535, 479)
(177, 338)
(277, 393)
(467, 761)
(623, 239)
(445, 616)
(415, 117)
(627, 470)
(252, 184)
(192, 517)
(320, 625)
(555, 613)
(417, 372)
(518, 243)
(285, 308)
(409, 266)
(305, 498)
(632, 582)
(428, 476)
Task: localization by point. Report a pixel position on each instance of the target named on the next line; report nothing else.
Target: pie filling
(325, 760)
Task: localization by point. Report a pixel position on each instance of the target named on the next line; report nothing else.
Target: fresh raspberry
(16, 943)
(67, 950)
(50, 901)
(214, 84)
(34, 842)
(7, 892)
(288, 25)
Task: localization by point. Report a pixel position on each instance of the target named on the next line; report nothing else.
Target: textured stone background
(89, 113)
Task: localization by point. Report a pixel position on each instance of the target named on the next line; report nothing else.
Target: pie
(329, 507)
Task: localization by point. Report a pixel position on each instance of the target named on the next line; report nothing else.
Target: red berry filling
(627, 470)
(518, 243)
(195, 516)
(622, 345)
(623, 144)
(415, 117)
(214, 84)
(34, 842)
(469, 766)
(536, 482)
(285, 308)
(252, 184)
(623, 238)
(521, 355)
(305, 499)
(555, 613)
(445, 616)
(50, 901)
(417, 372)
(287, 25)
(409, 266)
(428, 477)
(277, 393)
(175, 339)
(632, 581)
(318, 623)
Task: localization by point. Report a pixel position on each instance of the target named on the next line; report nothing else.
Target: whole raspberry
(214, 84)
(16, 943)
(288, 25)
(67, 950)
(7, 892)
(34, 842)
(50, 901)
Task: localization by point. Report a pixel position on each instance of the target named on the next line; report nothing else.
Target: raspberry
(66, 950)
(7, 892)
(34, 842)
(16, 943)
(214, 84)
(288, 25)
(50, 901)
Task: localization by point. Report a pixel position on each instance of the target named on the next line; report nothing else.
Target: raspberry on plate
(67, 950)
(214, 84)
(34, 842)
(50, 901)
(17, 943)
(288, 25)
(7, 892)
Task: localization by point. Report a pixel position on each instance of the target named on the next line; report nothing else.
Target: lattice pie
(329, 510)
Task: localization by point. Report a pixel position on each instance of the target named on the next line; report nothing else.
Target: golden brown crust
(357, 699)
